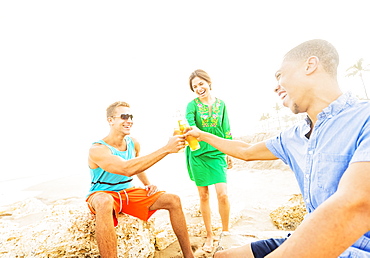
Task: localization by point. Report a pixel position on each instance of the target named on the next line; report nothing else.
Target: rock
(290, 215)
(67, 229)
(164, 238)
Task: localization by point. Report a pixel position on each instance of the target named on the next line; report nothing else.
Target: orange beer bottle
(192, 141)
(177, 131)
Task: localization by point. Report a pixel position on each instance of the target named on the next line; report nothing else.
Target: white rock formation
(66, 229)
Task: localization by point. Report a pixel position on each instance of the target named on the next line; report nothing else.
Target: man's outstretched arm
(101, 156)
(337, 223)
(234, 148)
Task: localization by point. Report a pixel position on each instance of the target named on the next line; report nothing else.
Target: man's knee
(174, 201)
(102, 202)
(169, 201)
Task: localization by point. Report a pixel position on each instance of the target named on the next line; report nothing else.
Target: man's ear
(312, 64)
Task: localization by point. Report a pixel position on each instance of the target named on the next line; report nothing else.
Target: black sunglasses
(125, 116)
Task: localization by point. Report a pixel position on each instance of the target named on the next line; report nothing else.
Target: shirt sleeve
(190, 113)
(362, 153)
(226, 124)
(275, 145)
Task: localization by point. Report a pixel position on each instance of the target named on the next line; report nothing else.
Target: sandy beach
(253, 194)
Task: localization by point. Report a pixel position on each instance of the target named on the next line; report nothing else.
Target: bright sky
(64, 62)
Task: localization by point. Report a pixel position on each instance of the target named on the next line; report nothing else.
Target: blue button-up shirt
(340, 137)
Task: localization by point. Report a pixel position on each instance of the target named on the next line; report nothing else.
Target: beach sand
(253, 194)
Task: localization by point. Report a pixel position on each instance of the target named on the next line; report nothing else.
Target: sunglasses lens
(126, 116)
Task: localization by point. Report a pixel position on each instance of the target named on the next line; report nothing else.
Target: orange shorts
(132, 201)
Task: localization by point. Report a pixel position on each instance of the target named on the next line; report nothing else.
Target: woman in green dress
(207, 165)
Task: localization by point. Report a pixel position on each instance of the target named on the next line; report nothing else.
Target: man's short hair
(322, 49)
(112, 107)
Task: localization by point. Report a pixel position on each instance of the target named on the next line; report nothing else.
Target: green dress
(207, 165)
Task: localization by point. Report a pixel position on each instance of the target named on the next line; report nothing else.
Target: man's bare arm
(101, 156)
(234, 148)
(337, 223)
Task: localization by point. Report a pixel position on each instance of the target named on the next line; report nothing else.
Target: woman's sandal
(207, 248)
(218, 248)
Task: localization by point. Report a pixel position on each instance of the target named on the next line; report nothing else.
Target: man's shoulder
(363, 104)
(360, 111)
(98, 146)
(99, 143)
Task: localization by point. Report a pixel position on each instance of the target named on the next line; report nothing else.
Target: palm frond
(352, 73)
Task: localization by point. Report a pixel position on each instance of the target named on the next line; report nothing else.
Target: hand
(193, 131)
(152, 189)
(176, 143)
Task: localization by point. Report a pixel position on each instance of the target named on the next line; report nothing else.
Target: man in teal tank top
(112, 162)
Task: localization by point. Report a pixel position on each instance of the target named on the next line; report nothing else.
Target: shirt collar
(344, 100)
(306, 128)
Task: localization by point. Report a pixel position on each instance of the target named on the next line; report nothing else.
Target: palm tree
(286, 119)
(358, 68)
(277, 108)
(265, 117)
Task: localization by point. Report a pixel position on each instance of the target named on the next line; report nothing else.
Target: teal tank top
(102, 180)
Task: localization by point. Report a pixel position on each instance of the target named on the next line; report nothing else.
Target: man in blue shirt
(329, 153)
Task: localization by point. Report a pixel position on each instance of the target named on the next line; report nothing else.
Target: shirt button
(307, 176)
(307, 200)
(310, 152)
